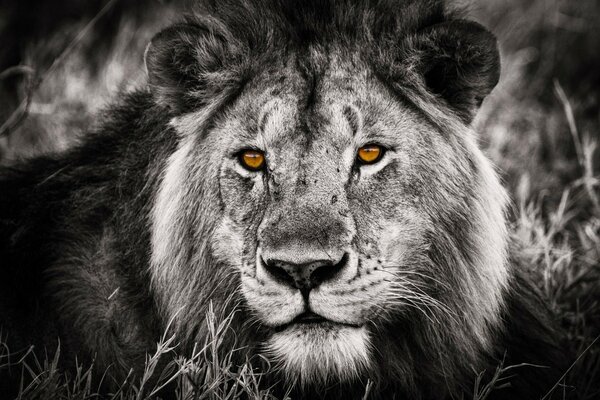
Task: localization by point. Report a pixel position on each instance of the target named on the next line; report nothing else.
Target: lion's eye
(370, 154)
(252, 160)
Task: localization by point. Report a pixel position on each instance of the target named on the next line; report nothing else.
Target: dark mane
(299, 24)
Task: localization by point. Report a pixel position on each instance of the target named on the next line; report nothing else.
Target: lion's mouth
(311, 319)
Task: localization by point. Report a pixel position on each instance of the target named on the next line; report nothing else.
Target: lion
(311, 165)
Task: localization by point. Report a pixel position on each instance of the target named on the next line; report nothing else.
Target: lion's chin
(319, 353)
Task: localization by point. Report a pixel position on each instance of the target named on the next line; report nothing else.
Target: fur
(151, 218)
(345, 355)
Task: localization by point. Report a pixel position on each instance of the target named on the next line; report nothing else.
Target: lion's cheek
(273, 305)
(355, 303)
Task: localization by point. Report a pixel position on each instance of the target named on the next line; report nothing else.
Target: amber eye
(252, 160)
(370, 154)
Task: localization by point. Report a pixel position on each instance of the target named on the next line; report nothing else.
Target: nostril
(326, 272)
(279, 272)
(304, 276)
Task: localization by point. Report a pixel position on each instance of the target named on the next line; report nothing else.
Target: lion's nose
(305, 276)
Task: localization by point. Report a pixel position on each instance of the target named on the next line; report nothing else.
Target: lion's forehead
(293, 115)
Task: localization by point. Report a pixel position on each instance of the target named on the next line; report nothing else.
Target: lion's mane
(111, 242)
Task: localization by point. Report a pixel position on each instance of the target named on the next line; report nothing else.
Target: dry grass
(541, 126)
(205, 374)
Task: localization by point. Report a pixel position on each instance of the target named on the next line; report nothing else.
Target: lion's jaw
(333, 346)
(320, 353)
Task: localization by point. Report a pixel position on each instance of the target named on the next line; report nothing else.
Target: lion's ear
(458, 61)
(184, 63)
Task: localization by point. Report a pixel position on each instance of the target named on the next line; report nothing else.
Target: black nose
(305, 276)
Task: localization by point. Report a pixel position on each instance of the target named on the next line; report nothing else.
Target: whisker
(399, 270)
(404, 293)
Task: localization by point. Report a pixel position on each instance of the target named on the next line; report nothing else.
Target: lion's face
(346, 265)
(329, 247)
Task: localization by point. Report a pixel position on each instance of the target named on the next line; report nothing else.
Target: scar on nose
(353, 119)
(334, 199)
(263, 121)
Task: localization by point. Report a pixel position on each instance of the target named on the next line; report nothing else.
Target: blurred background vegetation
(541, 126)
(61, 62)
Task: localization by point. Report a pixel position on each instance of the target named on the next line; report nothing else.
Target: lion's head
(326, 178)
